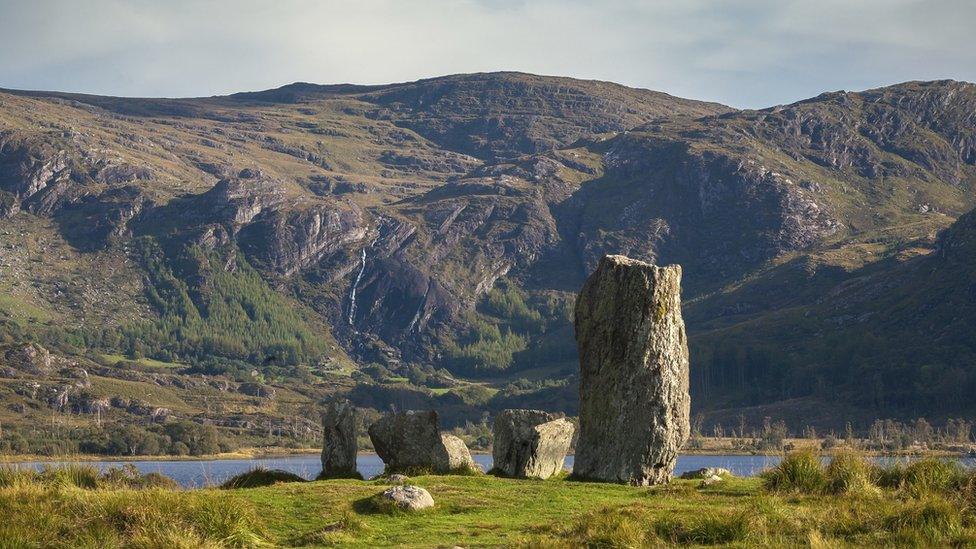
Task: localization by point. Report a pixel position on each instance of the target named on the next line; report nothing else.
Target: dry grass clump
(84, 476)
(925, 476)
(850, 473)
(799, 472)
(67, 508)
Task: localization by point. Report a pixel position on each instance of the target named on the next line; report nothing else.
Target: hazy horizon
(753, 54)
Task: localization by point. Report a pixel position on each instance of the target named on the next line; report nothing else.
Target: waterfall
(352, 294)
(420, 309)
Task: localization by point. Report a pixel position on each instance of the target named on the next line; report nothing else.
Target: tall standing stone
(634, 402)
(530, 443)
(339, 440)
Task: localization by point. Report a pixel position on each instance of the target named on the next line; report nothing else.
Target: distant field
(113, 360)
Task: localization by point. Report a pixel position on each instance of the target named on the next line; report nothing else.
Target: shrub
(800, 471)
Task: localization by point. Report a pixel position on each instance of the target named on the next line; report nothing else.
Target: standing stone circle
(411, 441)
(634, 402)
(339, 440)
(530, 443)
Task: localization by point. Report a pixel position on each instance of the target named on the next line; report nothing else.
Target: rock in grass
(634, 402)
(397, 478)
(408, 498)
(707, 472)
(530, 443)
(339, 440)
(411, 441)
(708, 481)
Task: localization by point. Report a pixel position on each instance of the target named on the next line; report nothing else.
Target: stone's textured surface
(405, 440)
(339, 444)
(530, 443)
(412, 440)
(707, 472)
(634, 402)
(453, 455)
(409, 498)
(397, 478)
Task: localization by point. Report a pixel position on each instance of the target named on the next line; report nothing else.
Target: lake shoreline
(271, 453)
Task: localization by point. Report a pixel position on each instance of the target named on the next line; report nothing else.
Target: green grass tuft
(925, 476)
(708, 528)
(800, 472)
(849, 473)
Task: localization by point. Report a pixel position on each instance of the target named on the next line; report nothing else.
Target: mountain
(420, 244)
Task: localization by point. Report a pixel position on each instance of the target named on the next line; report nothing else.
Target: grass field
(800, 503)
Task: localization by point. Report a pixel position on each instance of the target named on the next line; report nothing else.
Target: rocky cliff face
(34, 173)
(456, 217)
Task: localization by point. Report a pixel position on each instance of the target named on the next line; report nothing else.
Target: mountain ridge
(435, 232)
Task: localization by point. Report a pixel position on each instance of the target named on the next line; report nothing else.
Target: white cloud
(749, 53)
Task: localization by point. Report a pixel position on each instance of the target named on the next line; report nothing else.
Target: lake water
(192, 474)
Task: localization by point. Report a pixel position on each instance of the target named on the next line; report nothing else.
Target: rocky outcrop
(530, 443)
(407, 498)
(339, 440)
(27, 358)
(411, 440)
(237, 200)
(259, 390)
(634, 402)
(34, 174)
(283, 242)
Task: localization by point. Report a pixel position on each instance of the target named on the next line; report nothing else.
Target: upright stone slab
(411, 440)
(634, 402)
(339, 440)
(530, 443)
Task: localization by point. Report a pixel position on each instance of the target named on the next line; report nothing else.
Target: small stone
(710, 480)
(530, 443)
(409, 498)
(397, 478)
(707, 472)
(455, 455)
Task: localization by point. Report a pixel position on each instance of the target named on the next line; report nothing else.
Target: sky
(745, 53)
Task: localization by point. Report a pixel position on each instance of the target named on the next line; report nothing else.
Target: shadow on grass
(259, 477)
(351, 475)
